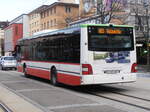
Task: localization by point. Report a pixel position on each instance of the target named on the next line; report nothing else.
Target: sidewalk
(15, 103)
(143, 69)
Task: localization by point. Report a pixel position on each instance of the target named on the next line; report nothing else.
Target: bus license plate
(111, 71)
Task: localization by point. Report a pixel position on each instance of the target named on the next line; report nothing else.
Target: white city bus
(83, 55)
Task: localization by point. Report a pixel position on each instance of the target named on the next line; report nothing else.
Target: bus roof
(70, 30)
(86, 25)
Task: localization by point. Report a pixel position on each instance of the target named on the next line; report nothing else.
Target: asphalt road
(105, 98)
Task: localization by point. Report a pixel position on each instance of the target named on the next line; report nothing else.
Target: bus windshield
(111, 42)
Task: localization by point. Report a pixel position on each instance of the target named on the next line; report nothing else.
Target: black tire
(1, 68)
(54, 77)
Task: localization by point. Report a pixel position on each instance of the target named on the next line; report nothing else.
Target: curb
(15, 103)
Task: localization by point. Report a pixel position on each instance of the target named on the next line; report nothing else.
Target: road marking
(8, 82)
(27, 90)
(4, 108)
(73, 105)
(12, 73)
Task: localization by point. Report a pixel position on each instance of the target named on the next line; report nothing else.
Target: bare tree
(108, 9)
(67, 19)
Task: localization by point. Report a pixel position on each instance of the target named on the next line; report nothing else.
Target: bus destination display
(109, 31)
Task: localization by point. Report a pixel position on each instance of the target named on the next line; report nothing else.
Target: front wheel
(1, 67)
(54, 77)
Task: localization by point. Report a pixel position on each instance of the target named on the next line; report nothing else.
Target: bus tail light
(87, 69)
(134, 68)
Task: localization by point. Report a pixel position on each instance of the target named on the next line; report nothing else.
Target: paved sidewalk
(1, 110)
(143, 69)
(15, 103)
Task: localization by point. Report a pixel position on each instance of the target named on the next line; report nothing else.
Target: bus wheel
(25, 72)
(54, 77)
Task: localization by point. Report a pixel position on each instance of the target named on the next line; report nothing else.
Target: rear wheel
(1, 67)
(54, 77)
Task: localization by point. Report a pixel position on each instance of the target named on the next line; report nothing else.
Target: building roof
(60, 3)
(15, 20)
(39, 9)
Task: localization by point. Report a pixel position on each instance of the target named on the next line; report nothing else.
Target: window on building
(47, 13)
(68, 9)
(44, 14)
(44, 25)
(32, 25)
(16, 30)
(51, 23)
(55, 22)
(50, 11)
(32, 16)
(47, 24)
(54, 10)
(37, 23)
(145, 28)
(41, 15)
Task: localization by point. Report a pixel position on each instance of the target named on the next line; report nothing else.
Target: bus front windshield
(110, 42)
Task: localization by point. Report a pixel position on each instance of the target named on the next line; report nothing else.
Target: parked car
(8, 62)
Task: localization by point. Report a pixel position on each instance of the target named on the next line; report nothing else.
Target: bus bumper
(108, 79)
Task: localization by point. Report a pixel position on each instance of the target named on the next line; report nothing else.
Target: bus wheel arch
(54, 76)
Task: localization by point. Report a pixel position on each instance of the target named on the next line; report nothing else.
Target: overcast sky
(10, 9)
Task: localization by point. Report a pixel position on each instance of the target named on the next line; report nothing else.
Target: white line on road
(12, 73)
(27, 90)
(8, 82)
(73, 105)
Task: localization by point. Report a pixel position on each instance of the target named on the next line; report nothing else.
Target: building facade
(87, 8)
(24, 20)
(2, 26)
(130, 12)
(140, 18)
(101, 12)
(17, 28)
(35, 20)
(67, 1)
(58, 15)
(12, 33)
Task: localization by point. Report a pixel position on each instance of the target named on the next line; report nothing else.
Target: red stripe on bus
(39, 73)
(62, 78)
(53, 62)
(69, 79)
